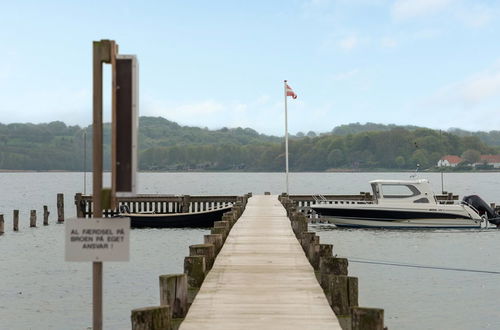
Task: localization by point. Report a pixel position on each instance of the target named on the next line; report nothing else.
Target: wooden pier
(261, 278)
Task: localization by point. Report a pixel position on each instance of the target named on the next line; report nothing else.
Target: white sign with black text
(97, 239)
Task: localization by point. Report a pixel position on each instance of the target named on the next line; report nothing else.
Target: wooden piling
(15, 220)
(206, 250)
(215, 240)
(195, 269)
(325, 250)
(80, 205)
(152, 318)
(313, 252)
(2, 225)
(186, 200)
(60, 207)
(221, 231)
(352, 291)
(306, 239)
(339, 295)
(367, 318)
(33, 218)
(173, 292)
(223, 224)
(329, 266)
(45, 215)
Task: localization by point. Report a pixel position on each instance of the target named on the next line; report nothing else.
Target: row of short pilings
(331, 271)
(177, 291)
(33, 216)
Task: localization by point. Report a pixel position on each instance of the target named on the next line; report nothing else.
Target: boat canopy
(403, 191)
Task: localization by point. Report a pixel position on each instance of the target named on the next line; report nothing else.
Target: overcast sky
(434, 63)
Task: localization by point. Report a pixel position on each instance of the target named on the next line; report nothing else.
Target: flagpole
(286, 138)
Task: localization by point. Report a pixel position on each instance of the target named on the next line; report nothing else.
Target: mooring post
(33, 218)
(147, 318)
(60, 208)
(2, 225)
(15, 220)
(195, 269)
(45, 215)
(80, 205)
(329, 266)
(173, 292)
(206, 250)
(367, 318)
(343, 295)
(221, 231)
(186, 200)
(215, 239)
(339, 295)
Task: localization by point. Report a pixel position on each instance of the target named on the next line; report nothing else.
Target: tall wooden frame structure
(124, 114)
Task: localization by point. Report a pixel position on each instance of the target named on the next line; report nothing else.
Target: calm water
(38, 290)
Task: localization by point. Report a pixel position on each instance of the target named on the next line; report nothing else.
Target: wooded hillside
(165, 145)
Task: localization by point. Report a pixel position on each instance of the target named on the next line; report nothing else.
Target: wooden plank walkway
(261, 278)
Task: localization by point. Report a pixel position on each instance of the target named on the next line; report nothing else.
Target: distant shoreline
(328, 171)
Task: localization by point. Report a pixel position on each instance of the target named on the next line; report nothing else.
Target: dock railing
(162, 204)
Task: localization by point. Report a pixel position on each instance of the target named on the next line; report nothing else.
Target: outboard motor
(483, 208)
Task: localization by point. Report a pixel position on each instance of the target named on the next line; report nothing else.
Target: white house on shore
(449, 161)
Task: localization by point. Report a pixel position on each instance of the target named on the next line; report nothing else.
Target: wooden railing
(157, 203)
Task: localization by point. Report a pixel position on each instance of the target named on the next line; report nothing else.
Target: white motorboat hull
(430, 223)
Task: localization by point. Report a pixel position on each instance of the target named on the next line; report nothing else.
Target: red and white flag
(289, 91)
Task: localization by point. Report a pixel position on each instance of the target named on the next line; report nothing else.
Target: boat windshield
(399, 191)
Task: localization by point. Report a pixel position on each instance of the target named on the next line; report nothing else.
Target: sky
(432, 63)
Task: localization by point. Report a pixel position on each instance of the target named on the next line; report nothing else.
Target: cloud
(72, 106)
(348, 43)
(477, 15)
(407, 9)
(470, 92)
(214, 114)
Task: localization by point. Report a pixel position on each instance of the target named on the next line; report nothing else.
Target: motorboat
(409, 204)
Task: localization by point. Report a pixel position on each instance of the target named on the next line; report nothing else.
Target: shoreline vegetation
(242, 171)
(165, 146)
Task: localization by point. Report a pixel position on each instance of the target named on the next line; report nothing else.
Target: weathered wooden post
(173, 292)
(221, 231)
(15, 220)
(60, 208)
(339, 295)
(329, 266)
(152, 318)
(79, 205)
(33, 218)
(306, 238)
(367, 318)
(2, 225)
(206, 250)
(45, 215)
(195, 269)
(215, 240)
(186, 200)
(352, 291)
(223, 224)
